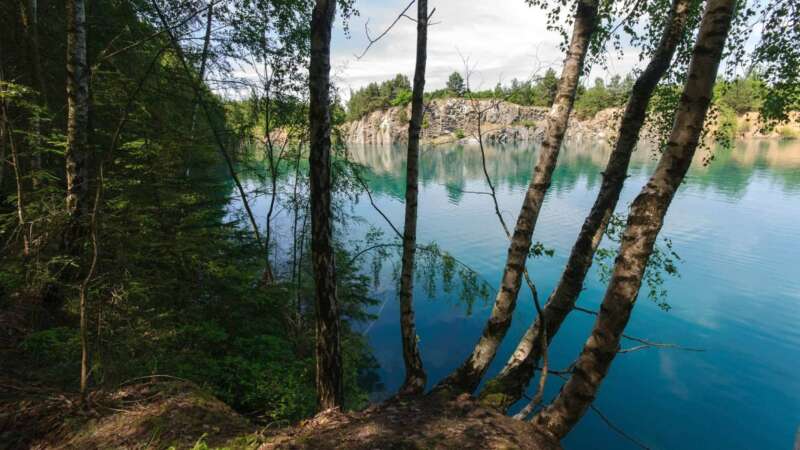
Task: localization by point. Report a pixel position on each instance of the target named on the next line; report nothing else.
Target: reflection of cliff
(511, 165)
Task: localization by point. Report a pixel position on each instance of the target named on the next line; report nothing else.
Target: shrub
(402, 116)
(788, 132)
(55, 352)
(728, 127)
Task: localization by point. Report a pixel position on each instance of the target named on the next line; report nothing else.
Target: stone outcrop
(455, 120)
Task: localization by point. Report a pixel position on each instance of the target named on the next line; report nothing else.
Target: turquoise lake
(736, 226)
(735, 223)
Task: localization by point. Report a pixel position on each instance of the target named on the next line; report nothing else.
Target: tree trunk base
(424, 422)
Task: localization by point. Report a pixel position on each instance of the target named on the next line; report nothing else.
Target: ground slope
(425, 423)
(163, 413)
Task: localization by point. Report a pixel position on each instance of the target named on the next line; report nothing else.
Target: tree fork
(467, 377)
(644, 223)
(509, 385)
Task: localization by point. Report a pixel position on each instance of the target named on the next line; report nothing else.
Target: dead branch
(374, 206)
(402, 15)
(644, 342)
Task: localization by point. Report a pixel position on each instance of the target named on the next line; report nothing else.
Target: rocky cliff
(455, 120)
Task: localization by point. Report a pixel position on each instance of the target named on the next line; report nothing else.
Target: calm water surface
(735, 225)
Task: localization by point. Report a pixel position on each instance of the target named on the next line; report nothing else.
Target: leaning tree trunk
(204, 60)
(197, 86)
(467, 377)
(510, 384)
(77, 151)
(644, 223)
(415, 374)
(328, 345)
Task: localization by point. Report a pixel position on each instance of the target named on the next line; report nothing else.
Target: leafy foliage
(663, 262)
(178, 288)
(455, 84)
(601, 96)
(394, 92)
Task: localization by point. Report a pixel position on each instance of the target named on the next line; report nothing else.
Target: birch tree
(509, 386)
(415, 373)
(645, 220)
(467, 377)
(77, 151)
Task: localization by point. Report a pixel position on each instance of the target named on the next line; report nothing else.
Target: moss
(494, 396)
(496, 401)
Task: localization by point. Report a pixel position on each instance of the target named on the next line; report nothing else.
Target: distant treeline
(734, 97)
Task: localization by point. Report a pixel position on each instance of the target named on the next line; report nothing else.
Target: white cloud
(503, 39)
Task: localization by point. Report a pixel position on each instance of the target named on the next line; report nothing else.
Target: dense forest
(132, 155)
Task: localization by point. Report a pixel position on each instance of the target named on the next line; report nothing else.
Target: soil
(166, 413)
(151, 413)
(422, 423)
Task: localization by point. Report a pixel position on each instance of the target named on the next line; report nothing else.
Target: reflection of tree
(510, 165)
(733, 169)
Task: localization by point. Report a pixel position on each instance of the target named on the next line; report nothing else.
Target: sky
(501, 39)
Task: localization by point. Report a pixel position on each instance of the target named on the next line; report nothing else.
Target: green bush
(598, 97)
(55, 353)
(526, 123)
(402, 116)
(402, 98)
(374, 96)
(727, 126)
(787, 132)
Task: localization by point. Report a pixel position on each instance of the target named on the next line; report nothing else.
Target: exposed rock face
(445, 120)
(455, 119)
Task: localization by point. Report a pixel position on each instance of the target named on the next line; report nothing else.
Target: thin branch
(633, 10)
(362, 252)
(102, 56)
(645, 343)
(493, 193)
(648, 344)
(385, 32)
(374, 206)
(470, 192)
(617, 429)
(218, 138)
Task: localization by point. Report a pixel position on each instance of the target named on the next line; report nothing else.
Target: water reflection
(734, 223)
(510, 165)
